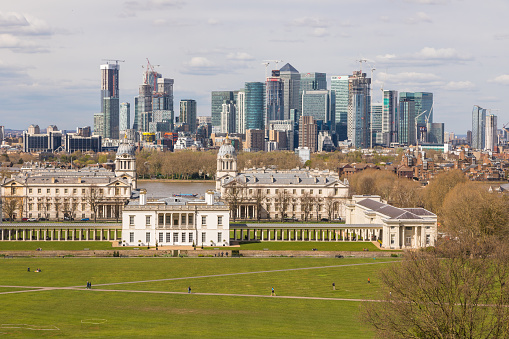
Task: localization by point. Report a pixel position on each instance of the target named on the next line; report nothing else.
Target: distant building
(188, 113)
(291, 87)
(320, 104)
(254, 107)
(217, 100)
(376, 124)
(308, 133)
(274, 109)
(286, 126)
(110, 100)
(390, 117)
(359, 108)
(491, 132)
(436, 133)
(255, 140)
(478, 127)
(125, 116)
(228, 117)
(37, 142)
(75, 142)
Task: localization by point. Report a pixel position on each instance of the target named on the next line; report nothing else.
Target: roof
(394, 212)
(288, 68)
(284, 178)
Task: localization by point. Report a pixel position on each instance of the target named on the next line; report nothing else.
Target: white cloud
(15, 44)
(309, 22)
(201, 66)
(153, 5)
(19, 24)
(241, 56)
(12, 20)
(459, 85)
(320, 32)
(213, 22)
(418, 18)
(427, 56)
(501, 79)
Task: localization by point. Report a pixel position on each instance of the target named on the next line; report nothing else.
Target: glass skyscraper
(390, 117)
(291, 87)
(416, 110)
(254, 108)
(109, 101)
(359, 109)
(339, 84)
(376, 124)
(319, 104)
(125, 116)
(216, 105)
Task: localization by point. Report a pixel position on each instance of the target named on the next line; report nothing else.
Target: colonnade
(253, 233)
(60, 234)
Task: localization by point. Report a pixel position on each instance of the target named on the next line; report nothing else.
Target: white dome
(126, 148)
(226, 149)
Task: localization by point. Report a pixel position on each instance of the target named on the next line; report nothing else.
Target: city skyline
(50, 58)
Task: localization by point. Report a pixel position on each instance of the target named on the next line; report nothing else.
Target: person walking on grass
(333, 286)
(189, 289)
(369, 281)
(273, 293)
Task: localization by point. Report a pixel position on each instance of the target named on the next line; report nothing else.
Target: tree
(459, 290)
(282, 202)
(258, 200)
(94, 199)
(234, 196)
(439, 187)
(58, 204)
(330, 206)
(10, 205)
(306, 204)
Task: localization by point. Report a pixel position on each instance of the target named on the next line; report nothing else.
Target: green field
(148, 297)
(308, 246)
(55, 245)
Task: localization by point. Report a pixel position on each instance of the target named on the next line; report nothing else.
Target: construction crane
(267, 62)
(360, 61)
(150, 70)
(116, 60)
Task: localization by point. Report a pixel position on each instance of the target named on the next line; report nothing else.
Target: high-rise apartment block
(188, 113)
(390, 117)
(308, 133)
(255, 140)
(376, 124)
(274, 109)
(125, 116)
(217, 100)
(491, 133)
(228, 117)
(109, 102)
(359, 108)
(254, 107)
(478, 127)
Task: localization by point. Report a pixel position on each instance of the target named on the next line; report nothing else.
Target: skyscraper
(241, 112)
(406, 124)
(274, 100)
(491, 132)
(216, 105)
(376, 124)
(228, 115)
(416, 111)
(359, 108)
(110, 100)
(143, 108)
(188, 113)
(436, 133)
(320, 104)
(308, 133)
(339, 84)
(311, 82)
(254, 105)
(125, 116)
(291, 87)
(390, 117)
(478, 127)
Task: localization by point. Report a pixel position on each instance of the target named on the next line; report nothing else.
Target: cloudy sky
(51, 50)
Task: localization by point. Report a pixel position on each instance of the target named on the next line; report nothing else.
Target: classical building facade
(298, 194)
(53, 193)
(397, 228)
(175, 221)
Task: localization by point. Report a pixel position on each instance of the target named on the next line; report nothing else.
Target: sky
(51, 51)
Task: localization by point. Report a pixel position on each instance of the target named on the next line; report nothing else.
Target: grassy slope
(136, 314)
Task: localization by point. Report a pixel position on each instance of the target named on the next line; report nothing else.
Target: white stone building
(398, 228)
(175, 221)
(301, 194)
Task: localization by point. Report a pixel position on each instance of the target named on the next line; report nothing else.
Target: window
(131, 237)
(82, 191)
(268, 191)
(66, 191)
(161, 219)
(204, 220)
(57, 191)
(131, 220)
(190, 237)
(30, 190)
(168, 219)
(294, 191)
(408, 241)
(428, 239)
(310, 191)
(39, 191)
(219, 220)
(83, 207)
(161, 237)
(147, 219)
(176, 220)
(393, 239)
(175, 237)
(183, 237)
(183, 219)
(203, 237)
(277, 191)
(301, 191)
(319, 191)
(74, 191)
(190, 219)
(168, 237)
(250, 191)
(48, 191)
(147, 237)
(219, 237)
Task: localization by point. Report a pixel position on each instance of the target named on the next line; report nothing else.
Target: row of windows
(175, 221)
(184, 237)
(74, 191)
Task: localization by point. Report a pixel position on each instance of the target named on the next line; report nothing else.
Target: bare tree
(258, 200)
(234, 196)
(306, 204)
(317, 204)
(330, 206)
(58, 204)
(94, 199)
(10, 205)
(282, 202)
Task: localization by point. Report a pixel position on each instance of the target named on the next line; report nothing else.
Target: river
(158, 189)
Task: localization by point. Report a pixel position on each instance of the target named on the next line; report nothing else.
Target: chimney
(143, 196)
(209, 197)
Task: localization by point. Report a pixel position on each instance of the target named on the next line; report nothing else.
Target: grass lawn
(308, 246)
(128, 314)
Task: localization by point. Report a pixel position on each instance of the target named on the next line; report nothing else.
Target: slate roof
(394, 212)
(277, 178)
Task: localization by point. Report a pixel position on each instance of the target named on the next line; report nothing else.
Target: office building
(110, 100)
(274, 100)
(143, 108)
(320, 104)
(2, 133)
(241, 112)
(416, 110)
(291, 87)
(217, 100)
(286, 126)
(478, 127)
(254, 107)
(339, 85)
(188, 113)
(308, 133)
(125, 116)
(436, 133)
(376, 124)
(491, 133)
(36, 142)
(359, 108)
(407, 123)
(390, 117)
(255, 140)
(228, 115)
(75, 142)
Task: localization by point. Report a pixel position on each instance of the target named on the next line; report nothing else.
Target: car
(43, 219)
(85, 219)
(24, 219)
(324, 219)
(32, 219)
(68, 219)
(338, 256)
